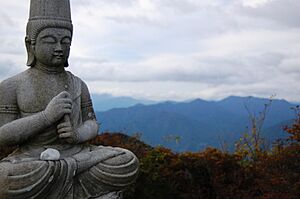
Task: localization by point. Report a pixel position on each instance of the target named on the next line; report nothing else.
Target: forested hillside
(249, 172)
(195, 125)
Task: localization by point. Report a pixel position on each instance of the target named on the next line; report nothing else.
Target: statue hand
(65, 131)
(58, 107)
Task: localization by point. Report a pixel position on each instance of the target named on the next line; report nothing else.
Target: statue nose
(58, 47)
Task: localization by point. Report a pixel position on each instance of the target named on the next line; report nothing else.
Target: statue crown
(50, 10)
(46, 14)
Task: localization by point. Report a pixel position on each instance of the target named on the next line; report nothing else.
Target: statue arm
(89, 129)
(19, 130)
(15, 130)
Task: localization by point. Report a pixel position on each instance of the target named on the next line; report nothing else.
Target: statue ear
(66, 64)
(30, 53)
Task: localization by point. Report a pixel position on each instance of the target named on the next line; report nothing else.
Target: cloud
(231, 48)
(285, 12)
(233, 57)
(9, 67)
(255, 3)
(175, 49)
(291, 65)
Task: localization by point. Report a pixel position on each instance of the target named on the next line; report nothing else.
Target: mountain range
(104, 102)
(197, 124)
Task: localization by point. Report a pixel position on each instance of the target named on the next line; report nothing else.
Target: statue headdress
(46, 14)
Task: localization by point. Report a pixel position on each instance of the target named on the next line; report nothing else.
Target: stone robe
(24, 175)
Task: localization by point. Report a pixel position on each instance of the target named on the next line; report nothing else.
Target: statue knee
(127, 157)
(119, 171)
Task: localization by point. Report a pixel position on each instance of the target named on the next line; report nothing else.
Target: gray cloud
(174, 48)
(8, 68)
(284, 12)
(6, 20)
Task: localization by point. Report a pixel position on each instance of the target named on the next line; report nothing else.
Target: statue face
(52, 47)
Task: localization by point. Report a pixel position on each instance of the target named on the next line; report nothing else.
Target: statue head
(49, 32)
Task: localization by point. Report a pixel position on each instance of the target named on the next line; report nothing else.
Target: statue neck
(50, 70)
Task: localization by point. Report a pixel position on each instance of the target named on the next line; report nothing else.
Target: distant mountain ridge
(198, 123)
(104, 102)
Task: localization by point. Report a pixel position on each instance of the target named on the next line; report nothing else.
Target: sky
(173, 49)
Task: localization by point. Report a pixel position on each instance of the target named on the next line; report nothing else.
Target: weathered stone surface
(48, 112)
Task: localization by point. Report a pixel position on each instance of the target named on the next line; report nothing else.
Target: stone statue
(47, 111)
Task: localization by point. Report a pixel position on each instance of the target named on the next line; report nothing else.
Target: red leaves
(294, 130)
(211, 173)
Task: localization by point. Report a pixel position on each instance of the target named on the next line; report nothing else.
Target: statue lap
(59, 179)
(83, 171)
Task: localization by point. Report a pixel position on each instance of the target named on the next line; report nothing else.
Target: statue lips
(58, 56)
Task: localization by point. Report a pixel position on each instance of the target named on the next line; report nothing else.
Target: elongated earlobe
(30, 54)
(66, 64)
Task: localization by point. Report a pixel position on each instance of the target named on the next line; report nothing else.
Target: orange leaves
(122, 140)
(294, 130)
(212, 173)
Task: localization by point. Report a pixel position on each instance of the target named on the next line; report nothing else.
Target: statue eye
(66, 40)
(48, 39)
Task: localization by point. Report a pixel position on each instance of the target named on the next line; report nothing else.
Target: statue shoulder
(74, 77)
(9, 87)
(15, 80)
(78, 80)
(84, 91)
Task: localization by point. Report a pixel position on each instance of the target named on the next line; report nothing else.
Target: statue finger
(64, 129)
(63, 125)
(67, 110)
(69, 140)
(62, 107)
(65, 101)
(65, 135)
(63, 94)
(68, 106)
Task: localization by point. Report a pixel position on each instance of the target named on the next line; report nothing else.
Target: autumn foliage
(294, 131)
(211, 174)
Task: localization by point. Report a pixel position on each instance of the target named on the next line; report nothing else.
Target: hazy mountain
(277, 131)
(196, 124)
(104, 102)
(280, 110)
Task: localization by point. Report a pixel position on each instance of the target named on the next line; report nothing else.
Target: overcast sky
(173, 49)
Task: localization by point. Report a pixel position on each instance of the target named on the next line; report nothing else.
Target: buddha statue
(47, 111)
